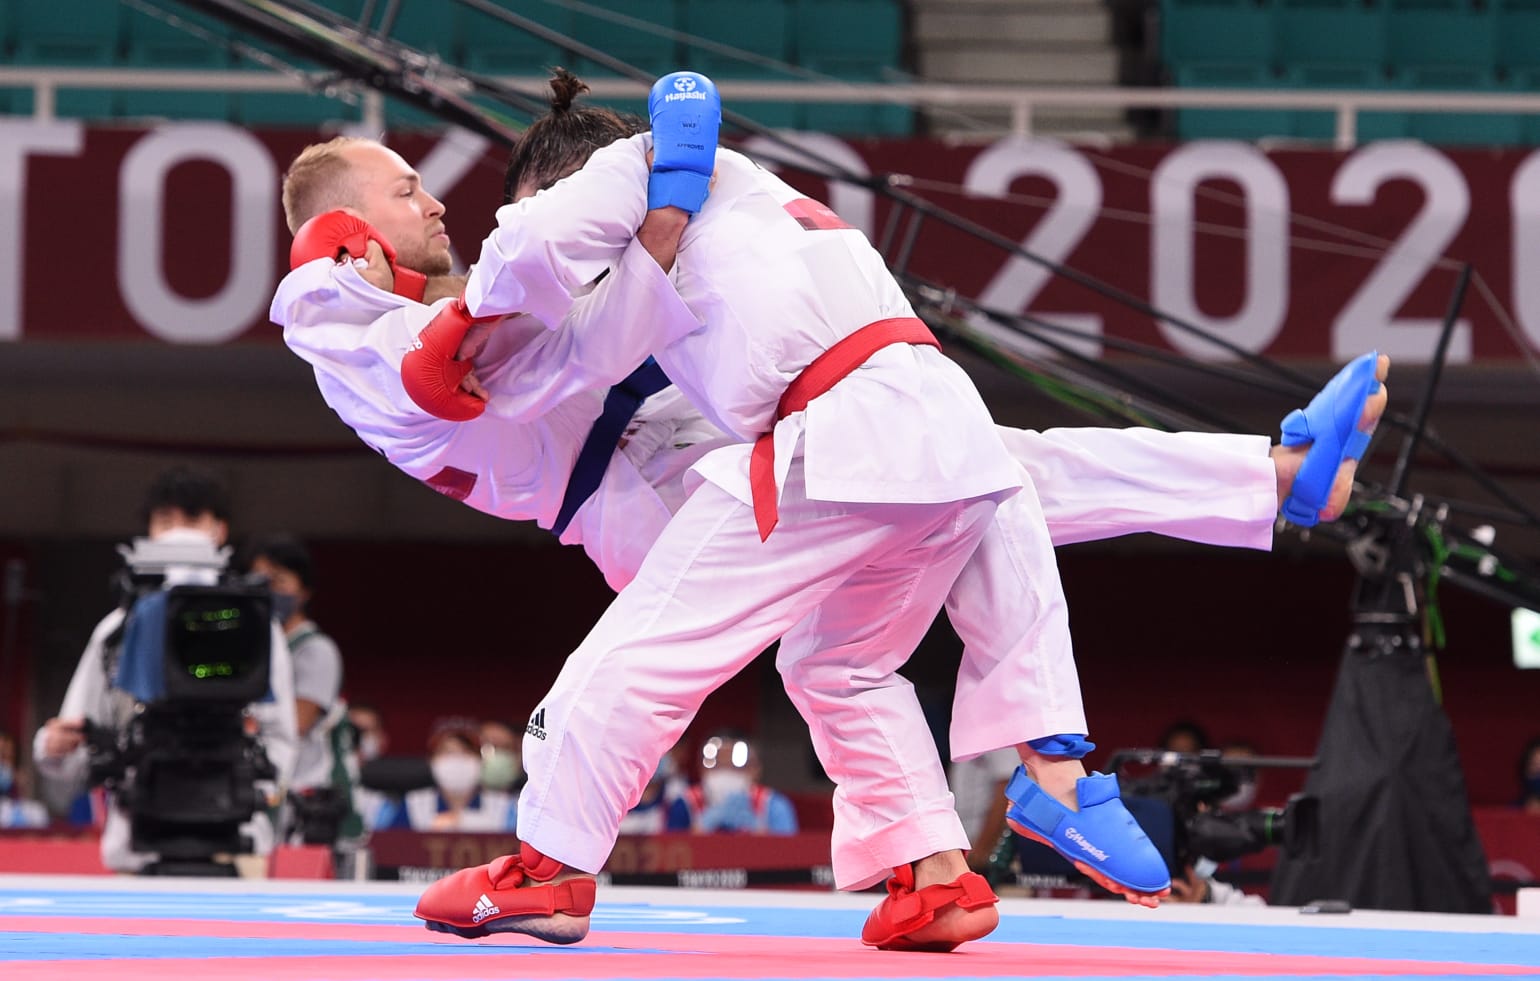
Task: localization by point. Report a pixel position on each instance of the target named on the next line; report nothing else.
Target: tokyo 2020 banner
(175, 234)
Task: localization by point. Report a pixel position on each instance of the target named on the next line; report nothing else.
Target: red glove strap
(430, 373)
(409, 283)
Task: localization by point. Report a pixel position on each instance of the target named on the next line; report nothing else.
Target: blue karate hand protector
(686, 114)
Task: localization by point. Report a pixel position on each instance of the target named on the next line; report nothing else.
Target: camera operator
(188, 507)
(325, 765)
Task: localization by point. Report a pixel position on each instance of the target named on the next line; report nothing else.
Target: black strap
(619, 406)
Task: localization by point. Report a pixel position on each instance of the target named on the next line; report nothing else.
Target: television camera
(1194, 787)
(193, 651)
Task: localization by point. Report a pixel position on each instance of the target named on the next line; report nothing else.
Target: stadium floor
(61, 928)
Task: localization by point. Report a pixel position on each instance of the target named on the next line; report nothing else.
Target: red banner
(176, 234)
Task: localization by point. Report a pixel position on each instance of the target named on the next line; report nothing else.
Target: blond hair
(317, 181)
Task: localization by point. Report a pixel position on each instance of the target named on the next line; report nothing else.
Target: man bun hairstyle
(560, 141)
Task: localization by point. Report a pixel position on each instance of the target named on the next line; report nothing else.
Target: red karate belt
(820, 376)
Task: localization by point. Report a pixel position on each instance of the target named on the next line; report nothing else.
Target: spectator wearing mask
(729, 797)
(189, 508)
(322, 782)
(456, 801)
(502, 766)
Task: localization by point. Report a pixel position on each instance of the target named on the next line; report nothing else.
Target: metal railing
(1022, 103)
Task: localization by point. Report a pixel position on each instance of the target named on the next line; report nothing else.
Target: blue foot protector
(686, 114)
(1330, 424)
(1102, 839)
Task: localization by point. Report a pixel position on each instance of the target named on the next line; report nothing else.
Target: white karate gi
(1233, 481)
(888, 483)
(548, 386)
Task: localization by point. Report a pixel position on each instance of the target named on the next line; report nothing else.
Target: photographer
(183, 507)
(320, 793)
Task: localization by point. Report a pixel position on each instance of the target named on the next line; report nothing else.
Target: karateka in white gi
(516, 457)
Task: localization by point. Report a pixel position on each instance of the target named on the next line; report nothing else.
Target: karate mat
(61, 928)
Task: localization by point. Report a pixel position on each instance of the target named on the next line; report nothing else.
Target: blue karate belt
(619, 406)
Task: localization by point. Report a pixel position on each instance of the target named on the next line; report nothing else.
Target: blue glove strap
(1073, 745)
(677, 188)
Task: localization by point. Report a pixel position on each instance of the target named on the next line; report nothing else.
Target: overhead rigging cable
(401, 80)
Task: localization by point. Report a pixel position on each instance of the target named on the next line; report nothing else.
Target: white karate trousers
(709, 597)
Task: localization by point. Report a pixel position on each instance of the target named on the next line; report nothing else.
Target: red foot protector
(906, 910)
(473, 902)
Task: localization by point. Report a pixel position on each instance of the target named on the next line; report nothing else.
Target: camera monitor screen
(217, 644)
(1526, 638)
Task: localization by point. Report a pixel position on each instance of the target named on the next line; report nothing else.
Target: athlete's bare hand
(376, 268)
(474, 340)
(472, 384)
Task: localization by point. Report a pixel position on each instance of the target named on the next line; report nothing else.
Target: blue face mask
(7, 778)
(285, 605)
(1532, 786)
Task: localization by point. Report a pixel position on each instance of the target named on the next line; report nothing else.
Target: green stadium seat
(656, 54)
(1453, 33)
(760, 28)
(855, 118)
(291, 110)
(429, 27)
(1322, 124)
(1241, 124)
(863, 31)
(405, 116)
(1460, 128)
(15, 102)
(81, 32)
(153, 42)
(1330, 33)
(1236, 32)
(495, 47)
(1527, 80)
(173, 104)
(1518, 34)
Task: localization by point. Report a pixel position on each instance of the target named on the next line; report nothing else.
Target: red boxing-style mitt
(337, 235)
(431, 375)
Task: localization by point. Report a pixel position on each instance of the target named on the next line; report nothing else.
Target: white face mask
(184, 536)
(456, 773)
(720, 785)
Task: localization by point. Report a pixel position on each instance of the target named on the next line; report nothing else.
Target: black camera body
(194, 651)
(1194, 786)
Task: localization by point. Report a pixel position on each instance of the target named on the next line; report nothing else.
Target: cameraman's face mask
(176, 525)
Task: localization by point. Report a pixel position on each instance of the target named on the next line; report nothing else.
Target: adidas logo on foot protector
(483, 909)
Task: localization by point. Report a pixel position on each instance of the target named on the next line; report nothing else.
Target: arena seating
(1420, 45)
(855, 40)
